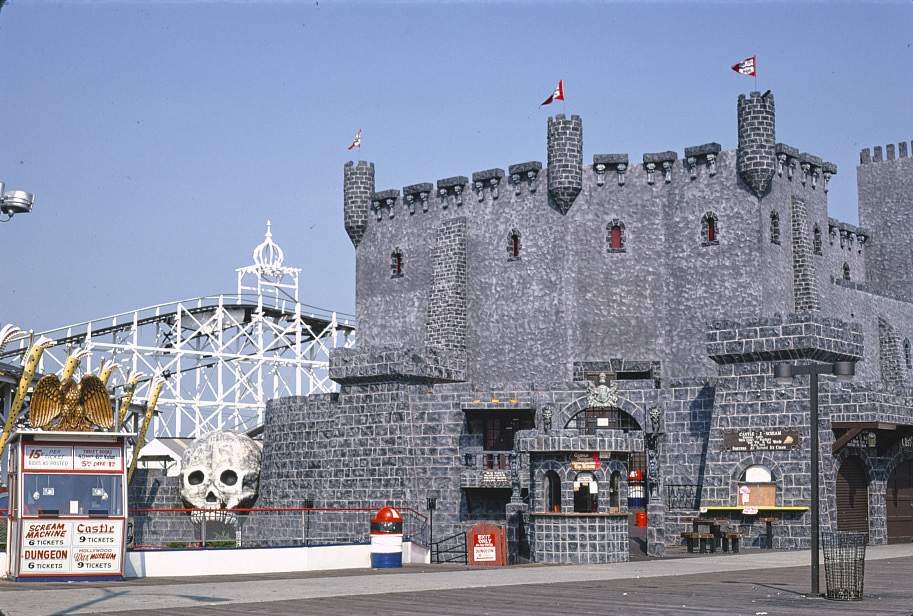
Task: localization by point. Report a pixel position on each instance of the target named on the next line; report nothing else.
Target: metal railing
(215, 528)
(450, 549)
(682, 496)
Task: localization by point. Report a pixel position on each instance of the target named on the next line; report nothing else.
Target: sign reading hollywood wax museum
(772, 439)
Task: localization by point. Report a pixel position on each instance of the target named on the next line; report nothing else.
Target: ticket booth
(67, 505)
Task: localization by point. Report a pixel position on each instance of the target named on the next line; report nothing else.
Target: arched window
(396, 263)
(615, 236)
(710, 231)
(552, 488)
(846, 271)
(774, 228)
(586, 493)
(513, 245)
(757, 488)
(816, 241)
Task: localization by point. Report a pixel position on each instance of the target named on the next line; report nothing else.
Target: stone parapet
(801, 336)
(390, 364)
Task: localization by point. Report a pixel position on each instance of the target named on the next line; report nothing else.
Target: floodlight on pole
(15, 202)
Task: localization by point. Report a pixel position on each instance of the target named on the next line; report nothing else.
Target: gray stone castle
(557, 348)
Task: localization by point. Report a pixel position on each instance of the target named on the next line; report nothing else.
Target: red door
(899, 499)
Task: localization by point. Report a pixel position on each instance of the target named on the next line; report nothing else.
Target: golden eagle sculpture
(79, 405)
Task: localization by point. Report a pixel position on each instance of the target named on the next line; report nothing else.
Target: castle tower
(565, 160)
(358, 187)
(757, 159)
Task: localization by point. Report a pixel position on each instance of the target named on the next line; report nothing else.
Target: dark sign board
(495, 478)
(772, 439)
(906, 443)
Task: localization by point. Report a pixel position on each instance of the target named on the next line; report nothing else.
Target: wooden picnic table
(715, 527)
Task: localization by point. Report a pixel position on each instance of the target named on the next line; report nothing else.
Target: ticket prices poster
(71, 547)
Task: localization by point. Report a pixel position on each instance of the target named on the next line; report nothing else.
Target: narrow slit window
(615, 236)
(396, 263)
(774, 228)
(709, 230)
(513, 245)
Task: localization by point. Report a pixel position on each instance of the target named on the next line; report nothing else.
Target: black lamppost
(308, 505)
(432, 505)
(784, 373)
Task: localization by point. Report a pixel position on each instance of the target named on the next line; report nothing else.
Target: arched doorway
(899, 500)
(852, 496)
(552, 487)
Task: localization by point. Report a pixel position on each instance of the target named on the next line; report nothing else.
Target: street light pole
(784, 373)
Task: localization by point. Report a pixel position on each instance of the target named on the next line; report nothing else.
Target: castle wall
(495, 296)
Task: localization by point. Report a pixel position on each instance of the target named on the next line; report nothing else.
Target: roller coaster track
(222, 356)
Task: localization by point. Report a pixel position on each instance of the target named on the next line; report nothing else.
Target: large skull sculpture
(221, 471)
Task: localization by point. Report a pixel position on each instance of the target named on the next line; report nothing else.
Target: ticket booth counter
(67, 505)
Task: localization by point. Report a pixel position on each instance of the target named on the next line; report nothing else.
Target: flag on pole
(356, 143)
(557, 95)
(745, 67)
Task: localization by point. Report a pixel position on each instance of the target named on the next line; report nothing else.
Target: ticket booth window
(63, 494)
(586, 494)
(756, 488)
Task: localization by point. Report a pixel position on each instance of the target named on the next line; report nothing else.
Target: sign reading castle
(780, 439)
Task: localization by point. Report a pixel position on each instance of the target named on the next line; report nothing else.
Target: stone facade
(603, 363)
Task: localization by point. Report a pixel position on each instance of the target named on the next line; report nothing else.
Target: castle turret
(565, 160)
(757, 159)
(358, 186)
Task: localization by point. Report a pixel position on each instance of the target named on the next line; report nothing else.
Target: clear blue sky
(159, 137)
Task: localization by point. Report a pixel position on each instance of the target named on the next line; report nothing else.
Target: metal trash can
(844, 564)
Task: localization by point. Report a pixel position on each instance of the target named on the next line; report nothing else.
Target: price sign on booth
(47, 457)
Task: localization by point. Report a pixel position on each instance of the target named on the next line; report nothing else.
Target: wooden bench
(731, 538)
(701, 539)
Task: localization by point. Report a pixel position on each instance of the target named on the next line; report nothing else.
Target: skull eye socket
(195, 478)
(229, 477)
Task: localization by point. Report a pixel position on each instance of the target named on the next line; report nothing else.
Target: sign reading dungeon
(777, 439)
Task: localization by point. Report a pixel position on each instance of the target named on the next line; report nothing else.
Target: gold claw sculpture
(31, 364)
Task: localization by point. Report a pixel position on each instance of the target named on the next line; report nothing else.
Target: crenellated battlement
(866, 156)
(758, 159)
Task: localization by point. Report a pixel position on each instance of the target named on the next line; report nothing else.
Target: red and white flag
(356, 143)
(745, 67)
(557, 95)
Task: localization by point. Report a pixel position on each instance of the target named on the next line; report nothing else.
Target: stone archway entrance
(852, 496)
(899, 500)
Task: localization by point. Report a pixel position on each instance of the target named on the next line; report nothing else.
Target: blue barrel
(387, 539)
